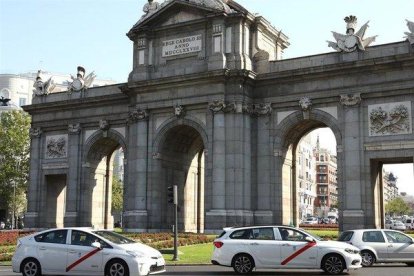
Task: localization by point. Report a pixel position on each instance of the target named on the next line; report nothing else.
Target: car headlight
(351, 251)
(136, 254)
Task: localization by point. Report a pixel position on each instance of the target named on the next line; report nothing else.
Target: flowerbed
(10, 237)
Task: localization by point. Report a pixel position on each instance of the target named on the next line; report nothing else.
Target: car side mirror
(309, 239)
(96, 245)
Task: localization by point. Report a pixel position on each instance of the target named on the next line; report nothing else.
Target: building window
(22, 101)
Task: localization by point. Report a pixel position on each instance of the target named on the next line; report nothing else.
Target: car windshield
(311, 235)
(114, 237)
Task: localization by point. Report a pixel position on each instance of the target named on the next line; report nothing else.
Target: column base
(70, 219)
(352, 219)
(263, 217)
(135, 221)
(216, 219)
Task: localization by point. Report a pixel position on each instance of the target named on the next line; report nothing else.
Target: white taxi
(284, 247)
(84, 251)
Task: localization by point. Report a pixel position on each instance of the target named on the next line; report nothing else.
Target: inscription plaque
(182, 45)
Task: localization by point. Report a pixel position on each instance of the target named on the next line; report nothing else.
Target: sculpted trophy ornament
(81, 83)
(410, 35)
(43, 88)
(351, 41)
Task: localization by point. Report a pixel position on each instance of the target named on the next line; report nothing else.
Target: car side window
(263, 234)
(346, 236)
(56, 236)
(85, 239)
(373, 236)
(397, 237)
(288, 234)
(244, 234)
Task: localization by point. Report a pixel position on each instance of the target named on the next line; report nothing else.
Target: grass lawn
(192, 254)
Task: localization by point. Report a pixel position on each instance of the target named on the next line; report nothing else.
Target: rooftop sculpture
(43, 88)
(80, 83)
(410, 35)
(351, 41)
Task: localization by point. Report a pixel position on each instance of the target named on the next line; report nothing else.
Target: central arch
(180, 146)
(289, 132)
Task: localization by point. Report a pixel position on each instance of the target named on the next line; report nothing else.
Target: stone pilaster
(73, 177)
(353, 215)
(33, 198)
(135, 204)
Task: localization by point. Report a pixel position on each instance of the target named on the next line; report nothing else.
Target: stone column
(73, 177)
(216, 217)
(135, 189)
(33, 191)
(352, 193)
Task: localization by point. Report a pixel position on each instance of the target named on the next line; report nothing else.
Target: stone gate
(211, 107)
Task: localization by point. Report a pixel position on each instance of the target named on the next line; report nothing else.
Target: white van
(409, 223)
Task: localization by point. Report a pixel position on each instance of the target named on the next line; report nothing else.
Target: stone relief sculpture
(56, 146)
(260, 109)
(305, 103)
(351, 41)
(390, 119)
(410, 35)
(43, 88)
(81, 83)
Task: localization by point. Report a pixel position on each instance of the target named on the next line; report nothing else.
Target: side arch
(286, 138)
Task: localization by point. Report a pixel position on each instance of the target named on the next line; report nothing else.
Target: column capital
(136, 115)
(350, 99)
(35, 132)
(74, 128)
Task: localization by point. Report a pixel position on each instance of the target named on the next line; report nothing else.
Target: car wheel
(243, 264)
(368, 258)
(117, 268)
(333, 264)
(31, 267)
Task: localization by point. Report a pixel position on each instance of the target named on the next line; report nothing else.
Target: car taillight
(218, 244)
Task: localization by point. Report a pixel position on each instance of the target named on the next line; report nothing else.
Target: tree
(14, 152)
(397, 206)
(117, 195)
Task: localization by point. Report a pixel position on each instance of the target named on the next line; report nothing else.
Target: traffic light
(172, 194)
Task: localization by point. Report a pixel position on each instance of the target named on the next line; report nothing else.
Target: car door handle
(285, 244)
(390, 245)
(42, 248)
(254, 243)
(72, 251)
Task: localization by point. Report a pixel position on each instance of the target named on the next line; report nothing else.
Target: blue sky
(59, 35)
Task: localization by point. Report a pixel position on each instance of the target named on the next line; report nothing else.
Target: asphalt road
(377, 270)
